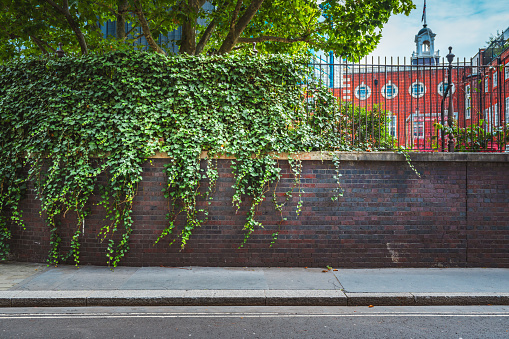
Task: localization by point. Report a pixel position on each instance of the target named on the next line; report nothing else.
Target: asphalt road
(256, 322)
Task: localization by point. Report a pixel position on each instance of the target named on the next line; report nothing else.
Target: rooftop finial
(424, 14)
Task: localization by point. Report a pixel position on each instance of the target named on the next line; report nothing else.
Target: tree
(30, 27)
(350, 28)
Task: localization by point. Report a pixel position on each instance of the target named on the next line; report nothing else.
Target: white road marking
(242, 315)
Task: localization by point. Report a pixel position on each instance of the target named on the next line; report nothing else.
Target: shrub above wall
(65, 122)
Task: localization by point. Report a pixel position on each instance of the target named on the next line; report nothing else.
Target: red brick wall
(456, 215)
(488, 208)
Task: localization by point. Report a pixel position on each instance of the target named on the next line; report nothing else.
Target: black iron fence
(425, 107)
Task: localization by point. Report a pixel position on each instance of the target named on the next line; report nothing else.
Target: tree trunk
(122, 10)
(231, 39)
(146, 29)
(205, 37)
(188, 40)
(210, 29)
(70, 20)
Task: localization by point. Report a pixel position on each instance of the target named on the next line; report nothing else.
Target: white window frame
(486, 84)
(468, 102)
(494, 79)
(488, 117)
(495, 115)
(507, 110)
(418, 130)
(393, 125)
(357, 91)
(440, 88)
(455, 115)
(421, 93)
(394, 91)
(506, 71)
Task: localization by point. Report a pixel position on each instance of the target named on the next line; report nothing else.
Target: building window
(488, 118)
(507, 110)
(417, 89)
(506, 71)
(454, 115)
(495, 79)
(419, 129)
(442, 87)
(486, 84)
(393, 126)
(389, 91)
(362, 92)
(495, 115)
(468, 102)
(425, 46)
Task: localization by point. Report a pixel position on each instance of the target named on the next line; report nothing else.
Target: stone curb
(242, 298)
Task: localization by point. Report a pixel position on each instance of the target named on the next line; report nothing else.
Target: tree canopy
(350, 28)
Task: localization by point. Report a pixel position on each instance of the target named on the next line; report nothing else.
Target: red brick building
(413, 93)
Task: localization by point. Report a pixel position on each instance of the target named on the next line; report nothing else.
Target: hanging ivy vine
(66, 121)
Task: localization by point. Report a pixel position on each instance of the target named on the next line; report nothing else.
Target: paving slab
(284, 278)
(98, 278)
(49, 280)
(67, 277)
(242, 286)
(423, 280)
(198, 278)
(13, 273)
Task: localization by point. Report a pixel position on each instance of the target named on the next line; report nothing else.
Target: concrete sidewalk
(37, 285)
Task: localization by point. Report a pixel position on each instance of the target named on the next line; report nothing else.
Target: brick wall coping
(383, 156)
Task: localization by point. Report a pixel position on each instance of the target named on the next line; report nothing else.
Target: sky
(465, 25)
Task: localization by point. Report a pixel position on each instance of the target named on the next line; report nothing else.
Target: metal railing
(419, 110)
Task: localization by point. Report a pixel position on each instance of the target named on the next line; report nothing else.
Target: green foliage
(66, 121)
(346, 125)
(349, 28)
(34, 27)
(475, 137)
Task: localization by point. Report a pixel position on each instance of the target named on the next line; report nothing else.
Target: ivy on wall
(66, 121)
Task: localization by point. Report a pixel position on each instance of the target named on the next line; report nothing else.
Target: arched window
(425, 46)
